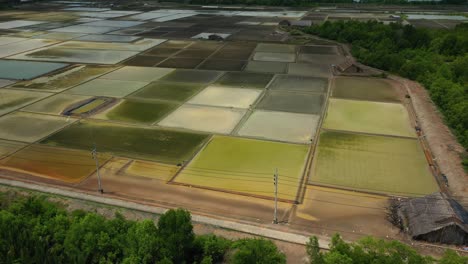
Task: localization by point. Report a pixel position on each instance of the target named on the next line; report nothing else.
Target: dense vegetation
(313, 2)
(370, 250)
(34, 230)
(438, 59)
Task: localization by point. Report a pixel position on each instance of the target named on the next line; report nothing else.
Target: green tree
(370, 250)
(259, 251)
(143, 243)
(313, 251)
(211, 246)
(176, 233)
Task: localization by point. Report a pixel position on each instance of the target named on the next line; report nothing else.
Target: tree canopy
(33, 230)
(370, 250)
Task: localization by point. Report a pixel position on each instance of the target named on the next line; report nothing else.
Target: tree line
(35, 230)
(438, 59)
(306, 3)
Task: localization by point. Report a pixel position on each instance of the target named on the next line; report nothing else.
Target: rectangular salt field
(8, 147)
(14, 99)
(59, 36)
(144, 61)
(71, 166)
(20, 70)
(28, 127)
(23, 46)
(295, 102)
(176, 44)
(281, 126)
(18, 23)
(88, 9)
(204, 118)
(139, 45)
(161, 52)
(192, 76)
(321, 60)
(272, 56)
(372, 163)
(266, 47)
(229, 53)
(106, 87)
(299, 83)
(181, 63)
(193, 53)
(152, 170)
(246, 166)
(331, 50)
(266, 67)
(7, 40)
(318, 69)
(166, 146)
(205, 46)
(361, 88)
(77, 55)
(108, 38)
(245, 80)
(4, 83)
(148, 16)
(172, 91)
(368, 117)
(138, 111)
(226, 97)
(65, 79)
(141, 74)
(85, 29)
(100, 15)
(435, 17)
(113, 23)
(56, 104)
(223, 65)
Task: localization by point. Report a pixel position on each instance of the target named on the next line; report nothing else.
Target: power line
(93, 152)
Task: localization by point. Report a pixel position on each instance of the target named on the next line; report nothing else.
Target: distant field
(167, 91)
(128, 141)
(245, 79)
(26, 127)
(368, 117)
(374, 163)
(13, 99)
(247, 166)
(66, 165)
(66, 79)
(56, 104)
(139, 111)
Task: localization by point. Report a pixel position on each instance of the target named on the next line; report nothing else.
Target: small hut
(435, 218)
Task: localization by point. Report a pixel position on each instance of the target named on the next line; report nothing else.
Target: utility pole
(94, 153)
(275, 182)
